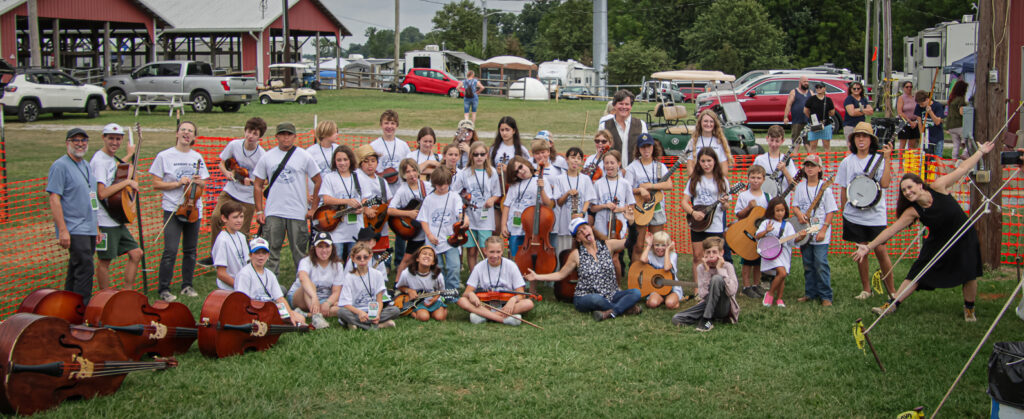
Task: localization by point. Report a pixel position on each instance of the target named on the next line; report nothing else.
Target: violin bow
(138, 208)
(184, 196)
(510, 315)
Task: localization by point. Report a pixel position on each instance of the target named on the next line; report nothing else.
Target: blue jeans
(399, 252)
(450, 263)
(513, 245)
(342, 250)
(470, 104)
(620, 302)
(817, 275)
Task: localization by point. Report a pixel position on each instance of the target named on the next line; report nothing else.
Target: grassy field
(797, 361)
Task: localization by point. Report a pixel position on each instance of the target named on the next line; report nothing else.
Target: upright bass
(537, 253)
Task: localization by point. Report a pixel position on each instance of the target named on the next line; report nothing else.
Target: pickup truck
(193, 77)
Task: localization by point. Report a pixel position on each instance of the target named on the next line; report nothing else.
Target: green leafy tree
(456, 24)
(631, 61)
(750, 42)
(566, 32)
(529, 24)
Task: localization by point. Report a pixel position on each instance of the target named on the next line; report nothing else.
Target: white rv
(433, 57)
(938, 47)
(559, 74)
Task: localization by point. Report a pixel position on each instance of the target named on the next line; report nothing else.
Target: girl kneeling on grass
(317, 285)
(362, 295)
(421, 276)
(776, 225)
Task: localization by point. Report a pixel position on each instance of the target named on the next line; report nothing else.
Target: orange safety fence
(32, 258)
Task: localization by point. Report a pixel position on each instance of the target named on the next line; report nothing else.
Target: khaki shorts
(119, 242)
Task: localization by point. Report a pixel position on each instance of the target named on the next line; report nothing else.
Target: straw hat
(863, 128)
(364, 151)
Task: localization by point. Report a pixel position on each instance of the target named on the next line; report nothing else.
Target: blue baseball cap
(258, 243)
(543, 135)
(575, 223)
(644, 139)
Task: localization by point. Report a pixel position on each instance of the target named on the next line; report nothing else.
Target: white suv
(37, 91)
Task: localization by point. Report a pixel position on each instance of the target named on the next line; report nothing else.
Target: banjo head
(771, 187)
(769, 247)
(862, 192)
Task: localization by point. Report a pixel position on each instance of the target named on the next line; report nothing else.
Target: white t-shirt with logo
(849, 168)
(640, 173)
(707, 194)
(335, 186)
(420, 283)
(323, 277)
(481, 187)
(520, 196)
(770, 164)
(802, 197)
(421, 158)
(232, 252)
(703, 142)
(743, 200)
(171, 165)
(440, 213)
(507, 152)
(390, 155)
(287, 198)
(104, 168)
(606, 191)
(504, 277)
(359, 290)
(260, 287)
(563, 213)
(322, 157)
(245, 158)
(405, 194)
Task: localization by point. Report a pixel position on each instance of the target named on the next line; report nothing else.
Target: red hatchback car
(764, 101)
(427, 80)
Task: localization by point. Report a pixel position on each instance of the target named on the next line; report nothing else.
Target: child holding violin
(246, 152)
(522, 194)
(602, 143)
(362, 295)
(438, 215)
(424, 156)
(412, 188)
(495, 275)
(389, 149)
(614, 196)
(775, 224)
(260, 284)
(423, 276)
(577, 193)
(318, 281)
(707, 184)
(176, 170)
(230, 252)
(480, 181)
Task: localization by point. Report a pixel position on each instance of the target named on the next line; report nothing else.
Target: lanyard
(607, 185)
(444, 210)
(391, 153)
(257, 150)
(644, 168)
(711, 143)
(480, 183)
(809, 196)
(238, 248)
(85, 173)
(522, 190)
(263, 283)
(494, 282)
(569, 182)
(770, 165)
(366, 281)
(348, 191)
(321, 148)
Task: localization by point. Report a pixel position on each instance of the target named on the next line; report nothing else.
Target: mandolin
(407, 227)
(648, 279)
(231, 324)
(327, 217)
(121, 205)
(643, 211)
(709, 211)
(162, 328)
(406, 305)
(63, 304)
(378, 221)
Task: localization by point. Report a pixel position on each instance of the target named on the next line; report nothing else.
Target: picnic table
(169, 99)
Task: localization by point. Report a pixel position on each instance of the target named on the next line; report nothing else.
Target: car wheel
(315, 85)
(409, 88)
(201, 102)
(92, 107)
(265, 100)
(453, 93)
(302, 100)
(28, 111)
(233, 107)
(118, 100)
(736, 151)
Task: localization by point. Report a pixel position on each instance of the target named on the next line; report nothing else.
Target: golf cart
(670, 125)
(277, 92)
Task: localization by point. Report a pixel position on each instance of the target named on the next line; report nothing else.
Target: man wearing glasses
(73, 203)
(819, 110)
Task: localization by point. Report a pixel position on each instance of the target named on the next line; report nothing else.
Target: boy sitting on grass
(716, 290)
(261, 284)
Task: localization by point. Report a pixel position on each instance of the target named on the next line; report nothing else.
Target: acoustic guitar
(327, 217)
(648, 279)
(709, 211)
(405, 305)
(407, 227)
(643, 211)
(121, 205)
(740, 235)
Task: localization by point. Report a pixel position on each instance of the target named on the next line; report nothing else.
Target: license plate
(245, 96)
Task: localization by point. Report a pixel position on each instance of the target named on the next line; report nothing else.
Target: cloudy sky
(357, 15)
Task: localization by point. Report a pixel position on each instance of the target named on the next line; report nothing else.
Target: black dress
(962, 262)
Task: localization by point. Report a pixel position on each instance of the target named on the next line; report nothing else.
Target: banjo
(770, 247)
(864, 191)
(776, 178)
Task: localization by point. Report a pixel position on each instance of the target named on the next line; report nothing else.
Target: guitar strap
(782, 228)
(383, 187)
(277, 172)
(868, 166)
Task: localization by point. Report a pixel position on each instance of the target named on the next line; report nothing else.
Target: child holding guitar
(775, 224)
(413, 189)
(707, 186)
(423, 276)
(660, 252)
(645, 173)
(775, 164)
(751, 203)
(480, 181)
(342, 187)
(614, 196)
(814, 203)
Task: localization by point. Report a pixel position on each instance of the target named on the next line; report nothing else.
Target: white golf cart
(276, 91)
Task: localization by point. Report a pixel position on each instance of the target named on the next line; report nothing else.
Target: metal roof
(465, 57)
(189, 16)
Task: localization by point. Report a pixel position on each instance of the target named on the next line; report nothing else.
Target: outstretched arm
(908, 218)
(943, 183)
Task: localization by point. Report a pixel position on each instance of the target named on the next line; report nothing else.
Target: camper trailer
(560, 74)
(433, 57)
(938, 47)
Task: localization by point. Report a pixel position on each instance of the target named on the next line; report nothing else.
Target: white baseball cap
(258, 243)
(575, 224)
(543, 135)
(113, 128)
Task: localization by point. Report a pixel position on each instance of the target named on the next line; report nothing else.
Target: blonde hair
(487, 161)
(661, 237)
(325, 129)
(539, 145)
(716, 132)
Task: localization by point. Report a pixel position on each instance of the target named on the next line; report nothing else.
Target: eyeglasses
(361, 257)
(479, 154)
(855, 89)
(600, 141)
(78, 140)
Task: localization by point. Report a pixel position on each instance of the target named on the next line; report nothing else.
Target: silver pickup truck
(193, 77)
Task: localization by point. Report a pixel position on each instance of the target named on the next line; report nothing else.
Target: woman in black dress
(941, 213)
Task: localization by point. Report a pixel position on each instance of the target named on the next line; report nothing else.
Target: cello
(536, 252)
(121, 205)
(161, 328)
(63, 304)
(46, 360)
(231, 324)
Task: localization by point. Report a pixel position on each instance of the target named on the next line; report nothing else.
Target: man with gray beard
(73, 203)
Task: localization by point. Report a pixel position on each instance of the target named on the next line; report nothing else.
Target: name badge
(483, 214)
(352, 218)
(283, 311)
(517, 219)
(93, 202)
(373, 310)
(102, 246)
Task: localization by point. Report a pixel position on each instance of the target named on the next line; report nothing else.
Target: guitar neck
(817, 197)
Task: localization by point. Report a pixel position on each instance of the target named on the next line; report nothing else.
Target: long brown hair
(414, 267)
(510, 169)
(716, 132)
(902, 203)
(698, 173)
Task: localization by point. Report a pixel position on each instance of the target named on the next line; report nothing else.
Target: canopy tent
(963, 65)
(528, 88)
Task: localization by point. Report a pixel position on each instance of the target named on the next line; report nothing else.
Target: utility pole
(878, 42)
(990, 101)
(867, 41)
(600, 45)
(484, 50)
(287, 44)
(35, 54)
(395, 82)
(887, 49)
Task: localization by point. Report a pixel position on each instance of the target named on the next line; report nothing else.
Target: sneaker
(705, 325)
(969, 315)
(636, 309)
(303, 313)
(760, 291)
(167, 296)
(881, 309)
(600, 315)
(189, 292)
(864, 295)
(780, 303)
(513, 320)
(750, 293)
(768, 299)
(205, 262)
(319, 322)
(826, 303)
(477, 319)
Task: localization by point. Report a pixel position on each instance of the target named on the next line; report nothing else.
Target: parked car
(37, 91)
(764, 100)
(573, 92)
(193, 77)
(427, 80)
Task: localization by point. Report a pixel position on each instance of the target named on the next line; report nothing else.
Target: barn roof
(186, 16)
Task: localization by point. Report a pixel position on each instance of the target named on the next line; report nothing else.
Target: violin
(459, 235)
(231, 324)
(594, 168)
(161, 328)
(121, 205)
(239, 173)
(501, 181)
(46, 361)
(487, 296)
(537, 253)
(614, 224)
(188, 211)
(62, 304)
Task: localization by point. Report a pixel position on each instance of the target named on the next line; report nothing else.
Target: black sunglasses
(479, 154)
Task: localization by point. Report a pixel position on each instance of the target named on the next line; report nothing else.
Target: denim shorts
(470, 103)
